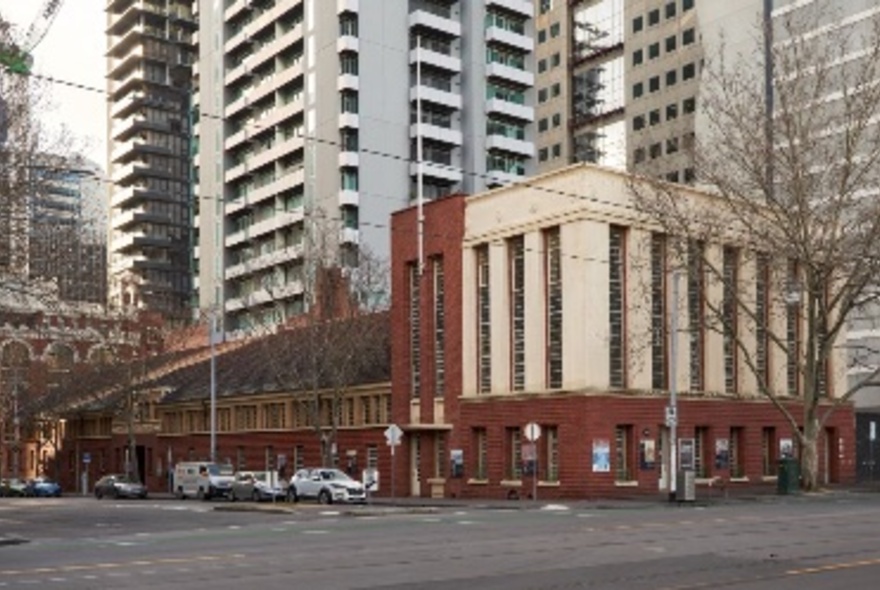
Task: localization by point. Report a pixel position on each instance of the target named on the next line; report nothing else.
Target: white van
(203, 480)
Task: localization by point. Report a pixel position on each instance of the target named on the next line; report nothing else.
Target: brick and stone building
(562, 296)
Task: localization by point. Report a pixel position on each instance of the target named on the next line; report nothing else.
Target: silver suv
(326, 486)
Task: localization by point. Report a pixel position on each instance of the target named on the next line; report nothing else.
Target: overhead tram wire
(634, 211)
(372, 152)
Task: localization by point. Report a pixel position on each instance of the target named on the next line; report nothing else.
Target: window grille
(696, 285)
(617, 371)
(731, 278)
(737, 463)
(792, 333)
(484, 349)
(439, 329)
(514, 458)
(551, 469)
(623, 452)
(481, 456)
(658, 312)
(440, 455)
(768, 450)
(701, 464)
(517, 313)
(415, 332)
(762, 320)
(553, 266)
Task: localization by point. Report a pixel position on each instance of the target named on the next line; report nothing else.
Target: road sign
(87, 458)
(532, 432)
(873, 433)
(393, 434)
(671, 416)
(371, 479)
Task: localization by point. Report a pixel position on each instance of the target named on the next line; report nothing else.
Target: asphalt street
(823, 542)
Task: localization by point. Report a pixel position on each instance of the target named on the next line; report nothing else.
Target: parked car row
(41, 487)
(206, 481)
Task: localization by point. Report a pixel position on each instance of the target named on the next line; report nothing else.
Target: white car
(325, 485)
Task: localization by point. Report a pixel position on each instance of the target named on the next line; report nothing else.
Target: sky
(73, 51)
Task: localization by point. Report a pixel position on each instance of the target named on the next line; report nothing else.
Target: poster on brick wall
(601, 455)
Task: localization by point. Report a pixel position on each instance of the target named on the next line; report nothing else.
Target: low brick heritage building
(549, 302)
(281, 403)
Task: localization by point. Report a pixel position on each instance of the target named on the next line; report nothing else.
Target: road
(786, 543)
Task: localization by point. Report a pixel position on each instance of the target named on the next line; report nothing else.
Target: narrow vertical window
(792, 329)
(551, 455)
(658, 312)
(415, 332)
(823, 359)
(762, 321)
(372, 457)
(736, 449)
(695, 313)
(616, 301)
(481, 454)
(439, 329)
(440, 455)
(553, 289)
(701, 451)
(623, 446)
(516, 261)
(514, 453)
(768, 450)
(484, 325)
(730, 313)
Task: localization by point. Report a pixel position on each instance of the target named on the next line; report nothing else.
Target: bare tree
(341, 336)
(795, 204)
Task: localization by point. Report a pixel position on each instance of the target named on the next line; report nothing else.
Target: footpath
(705, 497)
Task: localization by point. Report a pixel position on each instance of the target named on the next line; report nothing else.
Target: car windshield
(220, 470)
(334, 474)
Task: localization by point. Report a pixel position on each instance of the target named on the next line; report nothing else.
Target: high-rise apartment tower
(311, 116)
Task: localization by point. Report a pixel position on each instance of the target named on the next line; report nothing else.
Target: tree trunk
(810, 455)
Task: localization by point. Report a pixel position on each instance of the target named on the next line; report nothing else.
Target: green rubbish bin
(788, 477)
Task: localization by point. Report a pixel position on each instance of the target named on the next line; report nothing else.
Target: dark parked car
(43, 487)
(119, 486)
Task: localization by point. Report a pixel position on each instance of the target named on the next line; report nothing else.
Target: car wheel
(292, 495)
(232, 496)
(324, 497)
(255, 496)
(115, 494)
(98, 495)
(179, 494)
(200, 495)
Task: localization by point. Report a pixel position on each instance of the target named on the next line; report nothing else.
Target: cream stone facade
(584, 202)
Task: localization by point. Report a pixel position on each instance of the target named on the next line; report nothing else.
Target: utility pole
(16, 435)
(212, 327)
(672, 414)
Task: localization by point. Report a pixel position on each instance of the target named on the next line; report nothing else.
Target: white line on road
(315, 532)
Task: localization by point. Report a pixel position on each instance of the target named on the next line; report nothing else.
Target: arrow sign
(393, 434)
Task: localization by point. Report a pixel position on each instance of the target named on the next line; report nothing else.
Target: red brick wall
(443, 234)
(581, 419)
